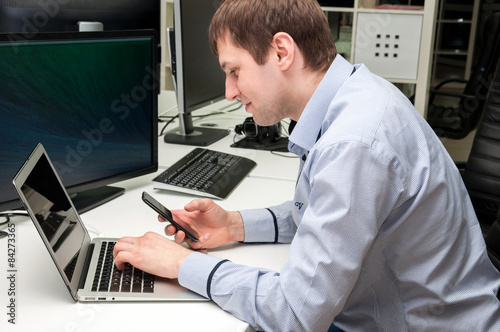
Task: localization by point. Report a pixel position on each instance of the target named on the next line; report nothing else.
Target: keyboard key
(108, 277)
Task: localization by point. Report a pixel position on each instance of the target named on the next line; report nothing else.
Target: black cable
(168, 122)
(172, 118)
(7, 220)
(7, 216)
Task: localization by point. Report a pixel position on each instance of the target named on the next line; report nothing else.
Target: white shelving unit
(395, 43)
(167, 20)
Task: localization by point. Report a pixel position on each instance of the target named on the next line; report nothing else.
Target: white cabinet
(386, 44)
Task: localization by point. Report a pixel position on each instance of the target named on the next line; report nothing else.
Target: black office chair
(493, 242)
(481, 172)
(458, 122)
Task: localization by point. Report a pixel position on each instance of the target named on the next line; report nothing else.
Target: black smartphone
(165, 213)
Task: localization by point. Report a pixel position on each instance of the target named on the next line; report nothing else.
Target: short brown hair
(251, 25)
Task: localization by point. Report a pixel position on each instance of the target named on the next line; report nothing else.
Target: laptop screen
(55, 216)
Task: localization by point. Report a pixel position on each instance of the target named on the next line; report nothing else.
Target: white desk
(44, 304)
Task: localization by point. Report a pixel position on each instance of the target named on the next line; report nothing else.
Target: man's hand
(152, 253)
(215, 225)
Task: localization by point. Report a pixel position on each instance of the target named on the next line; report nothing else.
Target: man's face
(257, 86)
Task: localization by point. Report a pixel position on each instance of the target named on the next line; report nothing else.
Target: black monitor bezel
(37, 16)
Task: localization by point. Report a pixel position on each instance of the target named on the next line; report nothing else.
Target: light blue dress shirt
(383, 235)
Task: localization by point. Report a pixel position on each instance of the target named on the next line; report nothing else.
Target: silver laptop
(85, 265)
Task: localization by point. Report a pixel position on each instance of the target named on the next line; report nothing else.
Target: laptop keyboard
(205, 172)
(108, 278)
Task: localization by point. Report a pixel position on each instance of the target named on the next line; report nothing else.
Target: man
(383, 235)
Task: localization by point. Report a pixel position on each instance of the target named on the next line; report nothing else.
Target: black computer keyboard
(206, 173)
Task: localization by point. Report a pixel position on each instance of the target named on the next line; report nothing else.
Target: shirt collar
(307, 129)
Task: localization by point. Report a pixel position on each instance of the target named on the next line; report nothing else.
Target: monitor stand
(200, 136)
(92, 198)
(187, 134)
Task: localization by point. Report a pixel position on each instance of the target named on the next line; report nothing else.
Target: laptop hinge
(86, 265)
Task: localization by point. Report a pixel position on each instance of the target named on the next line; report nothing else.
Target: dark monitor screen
(203, 79)
(24, 19)
(28, 17)
(199, 80)
(89, 98)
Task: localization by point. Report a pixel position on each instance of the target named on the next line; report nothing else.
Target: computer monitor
(90, 98)
(24, 19)
(28, 17)
(198, 79)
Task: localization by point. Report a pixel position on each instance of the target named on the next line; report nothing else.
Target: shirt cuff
(196, 272)
(260, 225)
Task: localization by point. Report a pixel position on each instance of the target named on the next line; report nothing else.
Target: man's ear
(283, 49)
